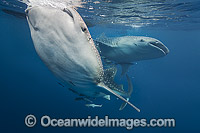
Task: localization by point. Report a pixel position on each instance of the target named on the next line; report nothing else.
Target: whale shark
(63, 42)
(126, 50)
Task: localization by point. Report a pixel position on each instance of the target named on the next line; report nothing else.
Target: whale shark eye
(142, 40)
(83, 29)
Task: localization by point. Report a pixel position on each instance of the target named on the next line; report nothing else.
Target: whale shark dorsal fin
(130, 91)
(104, 39)
(125, 67)
(102, 36)
(102, 85)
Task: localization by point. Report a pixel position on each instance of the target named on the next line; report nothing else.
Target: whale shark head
(149, 47)
(63, 42)
(72, 21)
(140, 47)
(128, 49)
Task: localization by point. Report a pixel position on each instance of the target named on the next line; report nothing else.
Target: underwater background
(167, 87)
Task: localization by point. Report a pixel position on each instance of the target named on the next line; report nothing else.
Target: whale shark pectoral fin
(125, 67)
(130, 91)
(102, 85)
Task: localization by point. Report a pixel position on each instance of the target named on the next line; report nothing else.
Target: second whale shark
(126, 50)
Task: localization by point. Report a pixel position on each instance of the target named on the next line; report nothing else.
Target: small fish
(60, 84)
(83, 98)
(93, 105)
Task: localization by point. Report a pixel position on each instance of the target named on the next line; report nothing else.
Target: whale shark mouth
(68, 12)
(160, 46)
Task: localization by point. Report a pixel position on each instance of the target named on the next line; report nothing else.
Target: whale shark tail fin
(102, 85)
(130, 91)
(109, 75)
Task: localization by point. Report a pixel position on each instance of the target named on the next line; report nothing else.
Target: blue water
(167, 87)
